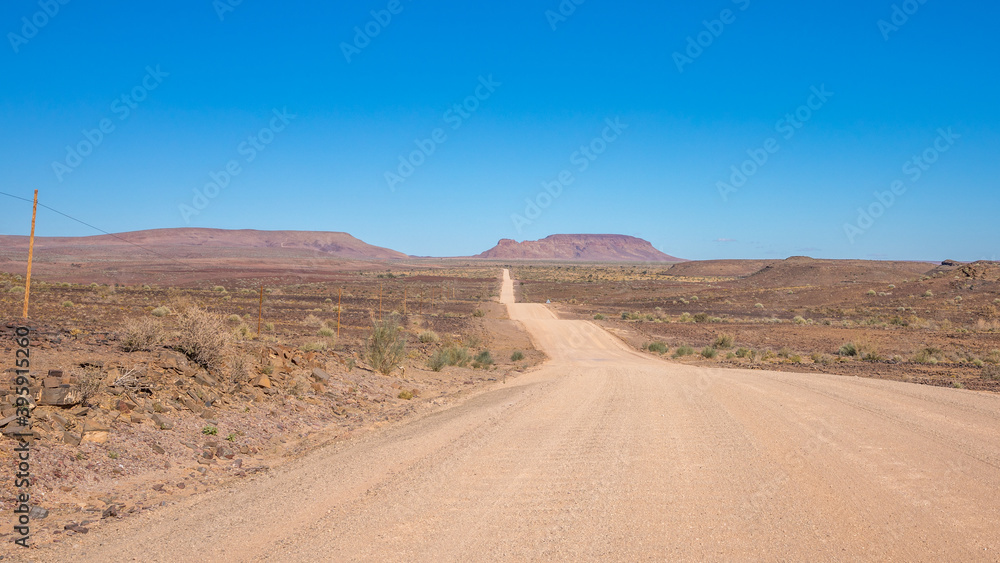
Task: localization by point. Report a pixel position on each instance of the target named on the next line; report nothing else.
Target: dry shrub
(991, 372)
(204, 338)
(313, 321)
(240, 368)
(90, 383)
(141, 333)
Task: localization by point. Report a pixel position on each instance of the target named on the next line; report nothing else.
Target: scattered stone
(238, 463)
(158, 487)
(205, 379)
(261, 381)
(62, 396)
(158, 449)
(56, 418)
(181, 485)
(76, 528)
(320, 375)
(110, 512)
(95, 432)
(138, 418)
(209, 414)
(38, 513)
(124, 406)
(161, 422)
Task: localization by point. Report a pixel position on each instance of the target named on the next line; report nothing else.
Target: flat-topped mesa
(581, 247)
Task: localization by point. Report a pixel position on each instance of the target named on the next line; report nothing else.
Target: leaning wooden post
(31, 255)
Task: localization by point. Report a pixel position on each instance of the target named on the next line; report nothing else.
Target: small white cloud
(725, 240)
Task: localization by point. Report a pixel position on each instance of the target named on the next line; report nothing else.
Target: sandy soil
(607, 454)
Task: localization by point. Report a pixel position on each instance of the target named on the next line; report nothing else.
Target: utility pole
(31, 255)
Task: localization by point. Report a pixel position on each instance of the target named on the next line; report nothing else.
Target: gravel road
(605, 454)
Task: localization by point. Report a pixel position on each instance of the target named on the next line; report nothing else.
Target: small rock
(181, 485)
(38, 513)
(320, 375)
(261, 381)
(158, 487)
(237, 463)
(162, 422)
(95, 432)
(76, 528)
(158, 449)
(110, 512)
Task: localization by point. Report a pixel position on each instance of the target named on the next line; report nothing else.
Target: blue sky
(208, 85)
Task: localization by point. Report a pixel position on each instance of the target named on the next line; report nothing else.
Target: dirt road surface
(606, 454)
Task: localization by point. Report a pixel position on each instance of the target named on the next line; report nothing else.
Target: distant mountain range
(583, 248)
(178, 243)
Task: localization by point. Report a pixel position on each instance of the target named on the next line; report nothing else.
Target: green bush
(478, 313)
(598, 317)
(313, 347)
(483, 360)
(450, 356)
(848, 349)
(210, 431)
(709, 352)
(405, 395)
(160, 312)
(723, 342)
(928, 355)
(701, 318)
(386, 347)
(744, 353)
(234, 319)
(658, 347)
(683, 351)
(219, 289)
(517, 356)
(68, 304)
(428, 336)
(326, 332)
